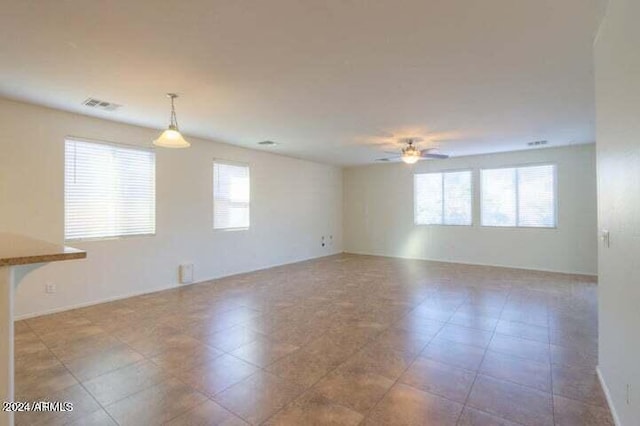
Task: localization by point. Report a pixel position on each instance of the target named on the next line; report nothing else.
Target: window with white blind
(519, 196)
(231, 196)
(109, 190)
(443, 198)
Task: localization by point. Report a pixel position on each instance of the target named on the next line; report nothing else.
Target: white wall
(294, 203)
(617, 60)
(378, 218)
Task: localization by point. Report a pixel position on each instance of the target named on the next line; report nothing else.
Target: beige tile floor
(343, 340)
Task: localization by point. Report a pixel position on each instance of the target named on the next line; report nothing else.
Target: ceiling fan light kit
(410, 154)
(171, 138)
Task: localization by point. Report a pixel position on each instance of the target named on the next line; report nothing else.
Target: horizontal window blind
(519, 196)
(428, 196)
(443, 198)
(498, 197)
(457, 198)
(536, 196)
(231, 196)
(110, 191)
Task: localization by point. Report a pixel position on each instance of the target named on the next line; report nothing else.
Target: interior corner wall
(378, 215)
(617, 65)
(293, 204)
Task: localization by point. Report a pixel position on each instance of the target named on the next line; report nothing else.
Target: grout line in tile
(482, 360)
(498, 288)
(79, 382)
(370, 341)
(409, 364)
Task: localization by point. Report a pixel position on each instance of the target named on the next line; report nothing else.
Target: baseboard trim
(95, 302)
(161, 288)
(460, 262)
(607, 395)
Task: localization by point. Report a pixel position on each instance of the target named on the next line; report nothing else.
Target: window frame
(117, 145)
(213, 194)
(517, 199)
(471, 196)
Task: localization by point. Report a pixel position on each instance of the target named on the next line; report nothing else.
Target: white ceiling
(329, 80)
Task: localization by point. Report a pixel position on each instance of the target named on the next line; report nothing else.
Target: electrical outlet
(331, 240)
(322, 241)
(50, 288)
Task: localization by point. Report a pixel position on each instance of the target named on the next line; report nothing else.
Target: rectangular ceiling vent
(537, 143)
(98, 104)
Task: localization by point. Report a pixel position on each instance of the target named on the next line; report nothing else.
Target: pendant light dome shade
(171, 138)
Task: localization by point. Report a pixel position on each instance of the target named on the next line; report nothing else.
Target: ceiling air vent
(537, 143)
(98, 104)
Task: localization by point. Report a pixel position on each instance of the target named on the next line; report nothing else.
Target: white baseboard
(157, 289)
(175, 285)
(461, 262)
(607, 394)
(96, 302)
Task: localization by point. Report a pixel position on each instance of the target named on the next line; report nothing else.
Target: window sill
(551, 228)
(230, 229)
(97, 239)
(445, 224)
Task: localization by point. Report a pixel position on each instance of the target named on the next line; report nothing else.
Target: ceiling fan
(410, 154)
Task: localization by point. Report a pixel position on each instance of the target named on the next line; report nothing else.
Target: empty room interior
(340, 212)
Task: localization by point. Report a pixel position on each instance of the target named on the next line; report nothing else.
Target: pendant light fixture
(171, 138)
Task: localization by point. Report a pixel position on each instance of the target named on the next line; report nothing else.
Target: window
(109, 191)
(519, 196)
(442, 198)
(231, 189)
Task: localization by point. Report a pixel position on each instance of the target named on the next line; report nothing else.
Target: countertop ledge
(20, 250)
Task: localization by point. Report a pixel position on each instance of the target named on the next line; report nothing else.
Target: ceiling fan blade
(382, 160)
(438, 156)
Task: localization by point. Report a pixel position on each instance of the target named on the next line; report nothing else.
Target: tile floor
(343, 340)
